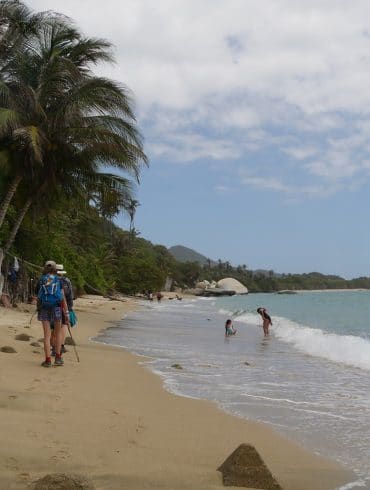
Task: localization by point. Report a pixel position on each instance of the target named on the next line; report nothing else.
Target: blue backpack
(50, 292)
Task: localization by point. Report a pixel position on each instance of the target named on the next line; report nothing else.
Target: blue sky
(256, 119)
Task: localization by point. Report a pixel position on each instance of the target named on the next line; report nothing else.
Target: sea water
(310, 379)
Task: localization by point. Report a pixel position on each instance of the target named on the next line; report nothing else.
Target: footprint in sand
(34, 384)
(32, 434)
(23, 476)
(59, 456)
(11, 464)
(12, 397)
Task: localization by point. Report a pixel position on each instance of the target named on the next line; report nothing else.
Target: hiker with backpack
(51, 304)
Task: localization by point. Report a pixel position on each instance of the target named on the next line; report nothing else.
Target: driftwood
(92, 290)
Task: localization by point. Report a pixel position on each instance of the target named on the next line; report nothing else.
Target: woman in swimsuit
(266, 320)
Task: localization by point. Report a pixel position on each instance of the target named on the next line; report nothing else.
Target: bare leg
(266, 325)
(58, 335)
(47, 336)
(64, 333)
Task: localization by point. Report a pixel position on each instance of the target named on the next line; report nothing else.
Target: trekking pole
(33, 314)
(73, 343)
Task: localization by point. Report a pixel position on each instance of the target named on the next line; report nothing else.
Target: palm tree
(17, 24)
(60, 124)
(131, 210)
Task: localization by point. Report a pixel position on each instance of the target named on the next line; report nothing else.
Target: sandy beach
(108, 417)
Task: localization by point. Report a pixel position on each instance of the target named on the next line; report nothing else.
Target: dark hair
(228, 322)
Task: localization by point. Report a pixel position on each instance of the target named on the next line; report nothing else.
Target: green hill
(185, 254)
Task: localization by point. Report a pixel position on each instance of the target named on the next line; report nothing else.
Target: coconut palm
(131, 210)
(58, 122)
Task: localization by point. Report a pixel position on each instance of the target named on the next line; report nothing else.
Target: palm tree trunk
(8, 197)
(2, 279)
(17, 224)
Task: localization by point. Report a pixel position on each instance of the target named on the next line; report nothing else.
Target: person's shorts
(50, 315)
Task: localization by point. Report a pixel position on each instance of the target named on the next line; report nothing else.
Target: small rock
(63, 481)
(177, 366)
(247, 363)
(35, 344)
(8, 349)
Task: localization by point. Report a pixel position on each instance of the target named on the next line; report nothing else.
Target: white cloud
(227, 79)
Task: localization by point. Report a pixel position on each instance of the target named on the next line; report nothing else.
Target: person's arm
(65, 308)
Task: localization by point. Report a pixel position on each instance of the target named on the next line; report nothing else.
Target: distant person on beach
(50, 305)
(159, 296)
(229, 329)
(266, 320)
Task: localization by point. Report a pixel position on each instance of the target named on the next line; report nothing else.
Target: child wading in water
(229, 329)
(266, 320)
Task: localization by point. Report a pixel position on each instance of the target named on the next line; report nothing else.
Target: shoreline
(110, 418)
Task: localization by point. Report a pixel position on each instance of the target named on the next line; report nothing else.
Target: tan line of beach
(109, 418)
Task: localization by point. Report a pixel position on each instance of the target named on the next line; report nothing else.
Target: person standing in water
(229, 329)
(266, 320)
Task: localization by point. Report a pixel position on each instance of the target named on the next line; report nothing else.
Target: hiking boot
(58, 361)
(63, 350)
(46, 364)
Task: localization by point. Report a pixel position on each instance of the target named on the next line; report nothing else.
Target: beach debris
(35, 344)
(177, 366)
(247, 363)
(245, 468)
(23, 336)
(63, 481)
(8, 349)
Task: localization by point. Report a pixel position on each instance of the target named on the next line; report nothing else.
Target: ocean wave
(350, 350)
(344, 349)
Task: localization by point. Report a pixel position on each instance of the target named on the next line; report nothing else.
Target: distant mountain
(185, 254)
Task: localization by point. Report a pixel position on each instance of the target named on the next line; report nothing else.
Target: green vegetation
(61, 126)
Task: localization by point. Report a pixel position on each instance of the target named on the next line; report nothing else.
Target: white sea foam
(355, 484)
(345, 349)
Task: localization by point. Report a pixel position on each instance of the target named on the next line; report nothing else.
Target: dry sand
(109, 418)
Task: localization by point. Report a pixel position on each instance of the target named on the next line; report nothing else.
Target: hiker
(66, 321)
(50, 305)
(266, 320)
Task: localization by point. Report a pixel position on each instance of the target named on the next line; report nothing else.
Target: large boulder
(202, 284)
(245, 468)
(230, 284)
